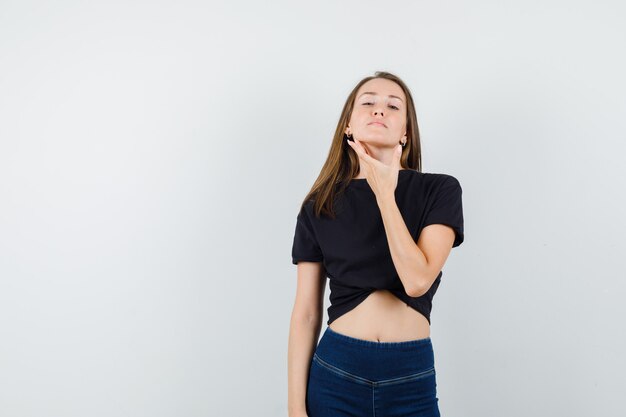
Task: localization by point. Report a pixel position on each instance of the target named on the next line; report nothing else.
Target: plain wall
(153, 156)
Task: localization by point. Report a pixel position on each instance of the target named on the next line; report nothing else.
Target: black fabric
(353, 247)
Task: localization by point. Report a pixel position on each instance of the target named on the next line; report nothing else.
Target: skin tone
(379, 163)
(377, 126)
(417, 265)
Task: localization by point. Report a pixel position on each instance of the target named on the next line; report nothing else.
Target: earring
(403, 144)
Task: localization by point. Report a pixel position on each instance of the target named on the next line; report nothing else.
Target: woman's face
(383, 101)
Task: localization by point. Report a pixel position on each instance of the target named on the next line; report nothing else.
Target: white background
(153, 156)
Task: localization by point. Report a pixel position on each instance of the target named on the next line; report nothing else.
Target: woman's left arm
(417, 264)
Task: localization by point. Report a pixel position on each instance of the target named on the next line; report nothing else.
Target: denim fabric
(363, 378)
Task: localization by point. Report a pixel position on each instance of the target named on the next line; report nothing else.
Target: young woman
(381, 231)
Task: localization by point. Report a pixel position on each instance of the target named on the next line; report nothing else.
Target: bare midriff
(382, 317)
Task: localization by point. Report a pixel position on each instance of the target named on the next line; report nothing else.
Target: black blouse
(353, 247)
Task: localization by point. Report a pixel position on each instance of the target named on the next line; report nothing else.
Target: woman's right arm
(304, 331)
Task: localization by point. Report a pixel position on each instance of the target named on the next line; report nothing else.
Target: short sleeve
(305, 246)
(447, 208)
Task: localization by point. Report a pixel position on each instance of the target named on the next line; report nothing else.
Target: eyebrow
(373, 93)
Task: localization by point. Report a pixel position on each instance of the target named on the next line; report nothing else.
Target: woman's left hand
(381, 178)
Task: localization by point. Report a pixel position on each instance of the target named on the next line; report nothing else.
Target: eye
(392, 106)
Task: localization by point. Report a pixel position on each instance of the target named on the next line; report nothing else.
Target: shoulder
(438, 179)
(306, 208)
(307, 211)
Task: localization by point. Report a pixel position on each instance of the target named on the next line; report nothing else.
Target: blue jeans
(362, 378)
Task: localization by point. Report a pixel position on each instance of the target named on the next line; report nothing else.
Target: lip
(377, 123)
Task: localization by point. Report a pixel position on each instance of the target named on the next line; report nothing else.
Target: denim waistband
(375, 360)
(409, 344)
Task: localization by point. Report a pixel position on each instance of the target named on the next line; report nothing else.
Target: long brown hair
(342, 163)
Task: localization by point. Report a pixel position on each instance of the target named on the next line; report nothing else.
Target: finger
(357, 148)
(358, 152)
(363, 148)
(363, 153)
